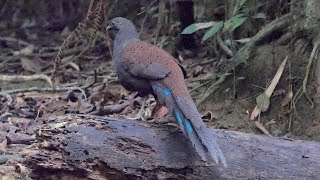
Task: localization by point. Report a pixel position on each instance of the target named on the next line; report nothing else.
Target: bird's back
(140, 52)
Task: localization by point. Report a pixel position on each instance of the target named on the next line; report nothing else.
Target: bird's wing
(146, 61)
(182, 68)
(153, 71)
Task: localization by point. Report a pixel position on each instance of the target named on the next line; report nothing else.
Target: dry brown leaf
(28, 50)
(40, 95)
(19, 101)
(197, 71)
(3, 145)
(4, 127)
(19, 168)
(23, 123)
(74, 66)
(262, 128)
(263, 102)
(20, 138)
(31, 65)
(59, 125)
(256, 111)
(208, 116)
(272, 121)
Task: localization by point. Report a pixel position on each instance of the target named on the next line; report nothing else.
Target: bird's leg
(141, 111)
(159, 111)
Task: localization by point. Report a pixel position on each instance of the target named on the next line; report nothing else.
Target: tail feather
(187, 128)
(190, 122)
(204, 135)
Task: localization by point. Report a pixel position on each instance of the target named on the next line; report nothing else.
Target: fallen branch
(21, 78)
(57, 89)
(126, 149)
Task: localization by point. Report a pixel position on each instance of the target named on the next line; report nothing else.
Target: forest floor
(32, 51)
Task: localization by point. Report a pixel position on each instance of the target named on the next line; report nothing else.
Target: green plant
(243, 10)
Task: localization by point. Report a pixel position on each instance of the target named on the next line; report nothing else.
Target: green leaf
(242, 2)
(196, 26)
(237, 21)
(238, 15)
(216, 27)
(260, 16)
(263, 102)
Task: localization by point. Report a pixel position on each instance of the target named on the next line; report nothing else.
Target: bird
(148, 69)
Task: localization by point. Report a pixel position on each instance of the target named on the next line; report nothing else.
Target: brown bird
(148, 69)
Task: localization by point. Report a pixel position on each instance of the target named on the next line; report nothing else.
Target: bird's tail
(189, 119)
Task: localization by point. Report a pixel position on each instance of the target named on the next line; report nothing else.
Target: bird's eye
(113, 23)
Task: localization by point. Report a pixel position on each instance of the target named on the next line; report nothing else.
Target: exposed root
(224, 47)
(305, 80)
(246, 51)
(212, 88)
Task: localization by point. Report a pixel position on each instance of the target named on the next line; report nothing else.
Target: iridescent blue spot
(166, 92)
(157, 88)
(178, 117)
(189, 126)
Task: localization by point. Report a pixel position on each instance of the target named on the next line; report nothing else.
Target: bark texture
(86, 148)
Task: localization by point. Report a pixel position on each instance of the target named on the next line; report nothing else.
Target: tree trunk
(186, 17)
(124, 149)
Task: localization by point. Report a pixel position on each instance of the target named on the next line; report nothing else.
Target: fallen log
(97, 148)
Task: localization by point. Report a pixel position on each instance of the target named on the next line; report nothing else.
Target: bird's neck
(123, 37)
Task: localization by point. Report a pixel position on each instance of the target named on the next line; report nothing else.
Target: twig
(305, 80)
(203, 63)
(200, 85)
(245, 119)
(146, 15)
(148, 7)
(6, 60)
(212, 88)
(57, 89)
(11, 39)
(90, 7)
(224, 47)
(142, 24)
(109, 44)
(261, 127)
(21, 78)
(161, 9)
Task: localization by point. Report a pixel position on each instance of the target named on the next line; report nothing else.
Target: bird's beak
(111, 27)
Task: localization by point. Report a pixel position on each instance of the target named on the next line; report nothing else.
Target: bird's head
(120, 24)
